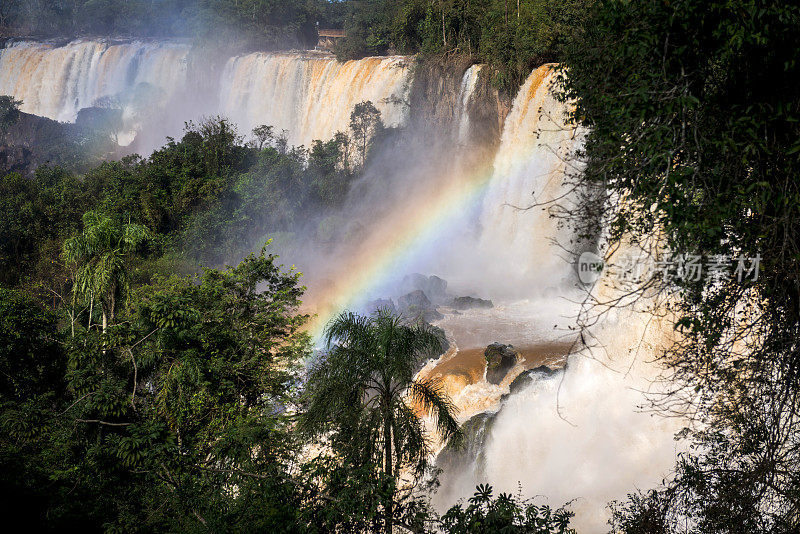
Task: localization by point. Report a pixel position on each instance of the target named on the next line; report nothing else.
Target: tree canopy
(362, 388)
(691, 151)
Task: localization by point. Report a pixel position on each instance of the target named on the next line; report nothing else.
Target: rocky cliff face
(455, 98)
(30, 142)
(33, 141)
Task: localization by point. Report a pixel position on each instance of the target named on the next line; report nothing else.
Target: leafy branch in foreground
(504, 513)
(693, 121)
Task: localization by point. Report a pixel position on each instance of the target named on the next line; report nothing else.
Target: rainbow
(408, 233)
(387, 255)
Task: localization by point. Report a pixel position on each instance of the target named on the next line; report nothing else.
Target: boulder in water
(435, 288)
(538, 373)
(500, 359)
(417, 304)
(468, 303)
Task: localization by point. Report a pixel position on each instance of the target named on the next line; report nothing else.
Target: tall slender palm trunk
(388, 506)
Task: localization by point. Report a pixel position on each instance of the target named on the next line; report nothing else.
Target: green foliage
(280, 184)
(35, 215)
(31, 361)
(363, 396)
(211, 364)
(9, 113)
(692, 117)
(264, 23)
(161, 417)
(504, 513)
(512, 37)
(263, 135)
(100, 258)
(365, 125)
(367, 28)
(32, 384)
(209, 197)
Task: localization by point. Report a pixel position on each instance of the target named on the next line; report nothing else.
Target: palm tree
(99, 256)
(363, 388)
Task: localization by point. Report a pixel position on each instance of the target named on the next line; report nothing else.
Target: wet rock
(471, 452)
(417, 304)
(467, 303)
(415, 299)
(500, 359)
(99, 119)
(435, 288)
(15, 159)
(431, 315)
(380, 304)
(528, 377)
(32, 141)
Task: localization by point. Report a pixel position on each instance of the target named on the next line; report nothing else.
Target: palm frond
(430, 395)
(361, 383)
(412, 445)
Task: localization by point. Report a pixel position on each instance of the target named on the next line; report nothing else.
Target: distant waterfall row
(310, 96)
(57, 81)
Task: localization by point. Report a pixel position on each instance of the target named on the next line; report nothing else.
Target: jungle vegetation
(693, 148)
(153, 357)
(180, 413)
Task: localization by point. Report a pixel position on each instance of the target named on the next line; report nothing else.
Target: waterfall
(311, 96)
(468, 84)
(578, 434)
(487, 228)
(57, 81)
(517, 230)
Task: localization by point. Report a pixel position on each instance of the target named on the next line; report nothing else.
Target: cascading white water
(579, 435)
(311, 97)
(468, 84)
(515, 259)
(57, 81)
(528, 176)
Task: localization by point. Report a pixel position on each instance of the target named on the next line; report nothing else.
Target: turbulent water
(581, 434)
(485, 226)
